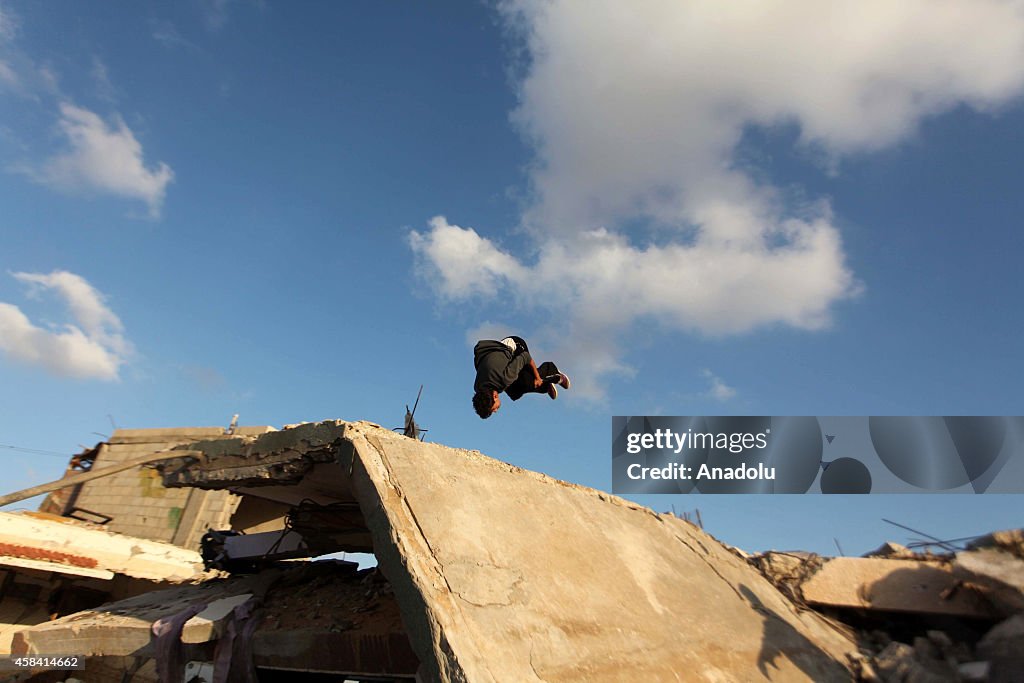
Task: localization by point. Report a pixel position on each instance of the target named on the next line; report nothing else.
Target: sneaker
(560, 378)
(552, 391)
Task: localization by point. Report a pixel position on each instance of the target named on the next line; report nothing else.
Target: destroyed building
(109, 538)
(135, 502)
(488, 572)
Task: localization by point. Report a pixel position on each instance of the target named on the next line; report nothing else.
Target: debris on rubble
(997, 572)
(893, 585)
(1009, 540)
(896, 551)
(919, 615)
(473, 579)
(52, 566)
(1003, 646)
(474, 582)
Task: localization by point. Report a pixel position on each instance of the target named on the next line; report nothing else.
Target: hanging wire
(945, 545)
(34, 451)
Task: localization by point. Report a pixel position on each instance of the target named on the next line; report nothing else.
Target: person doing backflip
(507, 366)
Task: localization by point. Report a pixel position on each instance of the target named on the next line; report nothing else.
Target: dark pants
(524, 382)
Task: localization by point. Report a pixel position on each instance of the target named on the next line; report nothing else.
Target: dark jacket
(496, 366)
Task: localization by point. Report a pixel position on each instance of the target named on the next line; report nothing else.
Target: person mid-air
(507, 366)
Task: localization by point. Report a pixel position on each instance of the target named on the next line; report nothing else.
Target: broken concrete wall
(53, 566)
(506, 574)
(503, 574)
(136, 502)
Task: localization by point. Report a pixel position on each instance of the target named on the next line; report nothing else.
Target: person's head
(486, 403)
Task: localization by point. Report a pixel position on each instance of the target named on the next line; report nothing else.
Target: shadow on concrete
(927, 589)
(780, 640)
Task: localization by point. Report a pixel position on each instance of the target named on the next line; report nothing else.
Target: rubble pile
(485, 572)
(324, 615)
(919, 616)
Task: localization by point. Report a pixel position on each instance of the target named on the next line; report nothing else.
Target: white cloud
(719, 390)
(635, 111)
(461, 262)
(97, 155)
(104, 158)
(93, 346)
(598, 283)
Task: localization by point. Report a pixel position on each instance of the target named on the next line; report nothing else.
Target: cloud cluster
(104, 158)
(97, 156)
(93, 347)
(635, 111)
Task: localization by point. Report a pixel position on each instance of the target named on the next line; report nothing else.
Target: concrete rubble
(318, 616)
(488, 572)
(495, 574)
(921, 587)
(51, 566)
(107, 539)
(46, 543)
(996, 562)
(920, 616)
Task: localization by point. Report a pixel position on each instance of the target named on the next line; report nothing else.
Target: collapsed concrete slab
(920, 616)
(922, 587)
(48, 543)
(52, 566)
(505, 574)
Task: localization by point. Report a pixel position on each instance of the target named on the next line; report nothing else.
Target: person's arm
(521, 347)
(537, 381)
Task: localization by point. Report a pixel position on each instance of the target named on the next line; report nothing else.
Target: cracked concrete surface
(528, 578)
(503, 574)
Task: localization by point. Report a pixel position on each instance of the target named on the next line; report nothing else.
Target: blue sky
(301, 212)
